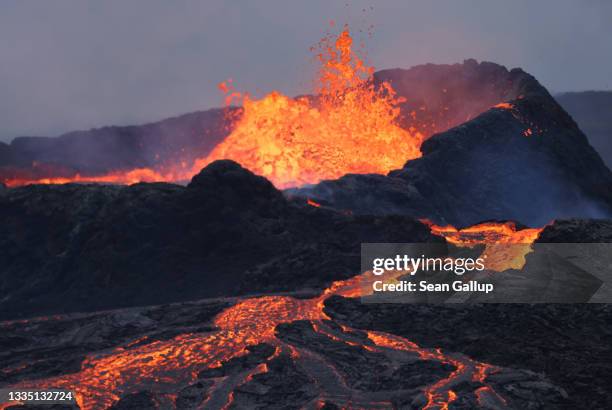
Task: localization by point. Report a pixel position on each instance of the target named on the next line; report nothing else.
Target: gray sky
(76, 64)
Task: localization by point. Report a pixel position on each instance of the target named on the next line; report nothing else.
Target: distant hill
(100, 150)
(592, 110)
(526, 160)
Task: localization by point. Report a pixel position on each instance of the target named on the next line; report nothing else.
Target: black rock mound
(89, 247)
(588, 231)
(525, 160)
(566, 342)
(442, 96)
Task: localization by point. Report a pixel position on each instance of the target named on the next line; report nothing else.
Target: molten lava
(313, 203)
(167, 365)
(505, 245)
(349, 127)
(487, 233)
(129, 177)
(164, 366)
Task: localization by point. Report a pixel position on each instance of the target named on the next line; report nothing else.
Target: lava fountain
(348, 125)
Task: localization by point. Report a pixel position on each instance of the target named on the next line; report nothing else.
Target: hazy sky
(76, 64)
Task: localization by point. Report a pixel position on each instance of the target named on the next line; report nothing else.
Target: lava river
(164, 367)
(347, 125)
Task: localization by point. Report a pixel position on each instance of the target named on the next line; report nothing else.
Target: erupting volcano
(237, 284)
(350, 125)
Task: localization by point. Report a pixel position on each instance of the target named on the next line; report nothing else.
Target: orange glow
(119, 177)
(313, 203)
(504, 106)
(487, 232)
(176, 362)
(505, 245)
(166, 365)
(350, 127)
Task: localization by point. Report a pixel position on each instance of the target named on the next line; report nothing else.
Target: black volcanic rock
(49, 347)
(577, 231)
(137, 401)
(233, 187)
(310, 362)
(527, 161)
(569, 343)
(361, 369)
(284, 386)
(256, 355)
(86, 247)
(442, 96)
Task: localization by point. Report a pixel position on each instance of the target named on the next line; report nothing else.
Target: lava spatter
(351, 126)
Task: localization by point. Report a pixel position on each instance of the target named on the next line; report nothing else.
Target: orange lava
(505, 245)
(504, 106)
(313, 203)
(117, 177)
(487, 233)
(350, 127)
(165, 366)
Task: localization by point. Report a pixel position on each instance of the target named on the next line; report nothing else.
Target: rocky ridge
(524, 160)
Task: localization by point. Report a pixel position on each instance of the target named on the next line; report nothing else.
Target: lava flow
(132, 176)
(165, 367)
(505, 245)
